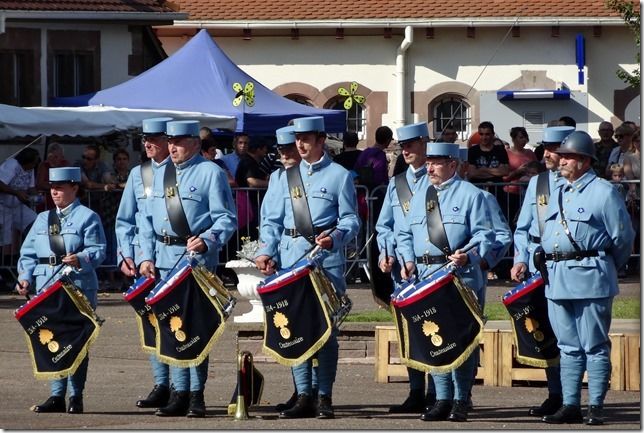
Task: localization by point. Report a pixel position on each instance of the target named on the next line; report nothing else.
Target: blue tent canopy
(199, 77)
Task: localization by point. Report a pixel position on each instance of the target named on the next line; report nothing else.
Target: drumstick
(127, 265)
(449, 262)
(315, 246)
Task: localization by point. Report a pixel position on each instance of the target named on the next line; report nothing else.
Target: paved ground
(119, 374)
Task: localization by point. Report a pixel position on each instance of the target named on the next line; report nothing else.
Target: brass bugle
(244, 384)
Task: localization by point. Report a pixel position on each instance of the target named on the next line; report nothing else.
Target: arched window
(451, 110)
(300, 99)
(356, 120)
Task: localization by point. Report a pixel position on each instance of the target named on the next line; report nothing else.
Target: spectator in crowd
(241, 141)
(17, 182)
(603, 148)
(55, 158)
(518, 158)
(206, 136)
(350, 153)
(632, 159)
(448, 135)
(567, 121)
(371, 165)
(632, 162)
(251, 175)
(93, 170)
(631, 124)
(624, 137)
(617, 176)
(488, 163)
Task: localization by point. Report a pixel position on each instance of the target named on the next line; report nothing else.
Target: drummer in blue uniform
(203, 223)
(84, 244)
(412, 140)
(587, 236)
(466, 222)
(135, 195)
(527, 238)
(331, 199)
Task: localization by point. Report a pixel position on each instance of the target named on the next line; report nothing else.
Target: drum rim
(529, 287)
(448, 277)
(39, 298)
(181, 275)
(136, 292)
(294, 275)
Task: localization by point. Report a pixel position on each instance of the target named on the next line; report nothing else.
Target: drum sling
(145, 319)
(176, 214)
(301, 212)
(59, 325)
(296, 321)
(535, 341)
(403, 192)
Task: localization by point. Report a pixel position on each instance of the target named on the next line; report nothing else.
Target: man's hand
(22, 287)
(387, 264)
(265, 264)
(408, 270)
(196, 244)
(128, 267)
(71, 260)
(324, 241)
(517, 273)
(147, 269)
(459, 258)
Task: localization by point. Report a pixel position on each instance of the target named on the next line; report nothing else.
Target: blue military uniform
(83, 235)
(131, 209)
(466, 219)
(210, 212)
(332, 202)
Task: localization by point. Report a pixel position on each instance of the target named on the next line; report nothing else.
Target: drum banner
(440, 326)
(534, 339)
(60, 326)
(145, 320)
(296, 322)
(189, 320)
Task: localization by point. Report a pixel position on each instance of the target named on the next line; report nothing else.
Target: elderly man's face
(182, 149)
(414, 152)
(605, 130)
(573, 166)
(550, 157)
(289, 156)
(156, 147)
(440, 169)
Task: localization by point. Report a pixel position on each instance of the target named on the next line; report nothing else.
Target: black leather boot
(595, 415)
(325, 407)
(51, 405)
(177, 405)
(75, 404)
(459, 411)
(439, 412)
(548, 407)
(303, 408)
(158, 397)
(414, 403)
(566, 414)
(288, 404)
(197, 406)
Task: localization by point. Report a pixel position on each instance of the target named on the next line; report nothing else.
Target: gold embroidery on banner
(47, 337)
(431, 328)
(175, 326)
(280, 321)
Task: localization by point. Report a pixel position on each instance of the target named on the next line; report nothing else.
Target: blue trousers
(457, 384)
(581, 327)
(160, 371)
(326, 371)
(417, 381)
(190, 379)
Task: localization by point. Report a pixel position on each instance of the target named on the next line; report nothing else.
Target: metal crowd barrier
(248, 201)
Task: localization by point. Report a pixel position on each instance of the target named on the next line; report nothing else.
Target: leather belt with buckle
(426, 259)
(51, 260)
(294, 233)
(534, 239)
(171, 240)
(570, 255)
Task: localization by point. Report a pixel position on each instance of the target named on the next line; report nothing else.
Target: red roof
(87, 5)
(269, 10)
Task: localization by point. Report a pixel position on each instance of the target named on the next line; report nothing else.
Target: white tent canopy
(90, 121)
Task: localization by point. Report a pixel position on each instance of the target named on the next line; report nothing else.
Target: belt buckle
(426, 260)
(53, 260)
(166, 239)
(578, 257)
(557, 256)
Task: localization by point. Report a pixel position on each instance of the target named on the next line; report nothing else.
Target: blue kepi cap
(443, 150)
(182, 128)
(412, 132)
(65, 174)
(285, 136)
(155, 125)
(555, 134)
(308, 124)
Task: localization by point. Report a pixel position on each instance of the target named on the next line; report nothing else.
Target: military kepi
(412, 132)
(285, 136)
(65, 174)
(308, 124)
(554, 135)
(154, 126)
(443, 150)
(182, 128)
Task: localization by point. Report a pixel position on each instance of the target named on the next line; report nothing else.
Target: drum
(59, 325)
(297, 322)
(145, 320)
(533, 336)
(439, 322)
(189, 319)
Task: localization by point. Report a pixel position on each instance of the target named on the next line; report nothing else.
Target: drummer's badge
(54, 229)
(431, 205)
(406, 206)
(47, 337)
(296, 192)
(532, 326)
(431, 328)
(169, 192)
(280, 321)
(542, 200)
(175, 326)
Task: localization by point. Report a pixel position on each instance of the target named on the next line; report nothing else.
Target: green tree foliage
(631, 16)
